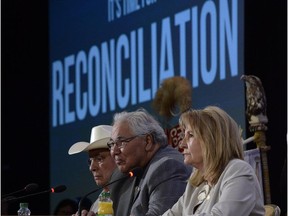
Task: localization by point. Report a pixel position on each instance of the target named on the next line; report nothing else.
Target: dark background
(25, 93)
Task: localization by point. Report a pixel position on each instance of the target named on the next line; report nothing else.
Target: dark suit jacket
(120, 189)
(161, 184)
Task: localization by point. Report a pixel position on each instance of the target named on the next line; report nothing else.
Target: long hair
(141, 122)
(219, 137)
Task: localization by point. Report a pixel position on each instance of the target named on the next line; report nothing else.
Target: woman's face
(192, 150)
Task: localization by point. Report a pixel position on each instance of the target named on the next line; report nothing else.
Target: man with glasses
(138, 141)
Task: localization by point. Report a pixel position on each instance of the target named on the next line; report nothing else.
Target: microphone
(28, 188)
(132, 173)
(57, 189)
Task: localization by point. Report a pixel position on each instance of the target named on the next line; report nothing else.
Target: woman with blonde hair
(222, 183)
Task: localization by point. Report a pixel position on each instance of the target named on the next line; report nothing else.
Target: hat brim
(85, 146)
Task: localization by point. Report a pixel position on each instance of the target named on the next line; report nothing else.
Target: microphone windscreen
(31, 187)
(58, 189)
(136, 172)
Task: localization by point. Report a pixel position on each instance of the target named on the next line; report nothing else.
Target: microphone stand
(28, 188)
(57, 189)
(86, 195)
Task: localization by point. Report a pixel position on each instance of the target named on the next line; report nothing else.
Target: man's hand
(84, 212)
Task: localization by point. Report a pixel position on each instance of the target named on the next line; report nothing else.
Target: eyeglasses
(99, 159)
(202, 196)
(121, 143)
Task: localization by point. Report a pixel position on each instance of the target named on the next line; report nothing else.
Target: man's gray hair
(141, 122)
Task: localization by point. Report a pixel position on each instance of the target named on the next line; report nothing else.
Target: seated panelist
(101, 164)
(222, 183)
(138, 141)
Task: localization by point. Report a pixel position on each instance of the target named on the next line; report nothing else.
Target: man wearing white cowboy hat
(101, 164)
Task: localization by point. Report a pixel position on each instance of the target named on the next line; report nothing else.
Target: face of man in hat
(101, 164)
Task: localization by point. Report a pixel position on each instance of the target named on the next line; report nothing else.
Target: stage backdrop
(109, 56)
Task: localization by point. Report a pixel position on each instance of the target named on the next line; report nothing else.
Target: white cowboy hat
(100, 135)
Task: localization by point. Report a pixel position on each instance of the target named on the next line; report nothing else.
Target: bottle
(24, 210)
(105, 205)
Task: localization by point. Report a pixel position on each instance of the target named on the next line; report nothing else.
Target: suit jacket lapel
(129, 197)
